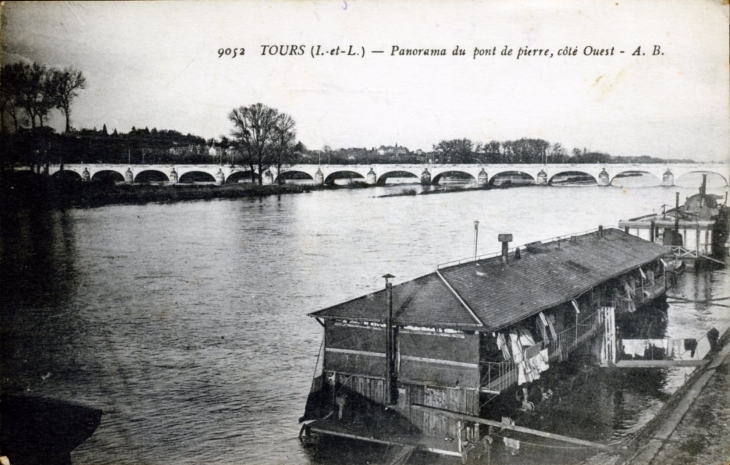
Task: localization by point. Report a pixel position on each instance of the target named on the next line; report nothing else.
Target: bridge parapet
(605, 174)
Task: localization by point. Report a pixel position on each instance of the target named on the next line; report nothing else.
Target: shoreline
(20, 192)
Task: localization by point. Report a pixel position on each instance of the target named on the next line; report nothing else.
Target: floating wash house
(469, 330)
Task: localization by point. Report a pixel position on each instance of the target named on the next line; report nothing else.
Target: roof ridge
(456, 294)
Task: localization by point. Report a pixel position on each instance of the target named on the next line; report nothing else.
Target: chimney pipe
(505, 239)
(676, 213)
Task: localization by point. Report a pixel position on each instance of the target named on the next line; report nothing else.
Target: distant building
(392, 150)
(214, 151)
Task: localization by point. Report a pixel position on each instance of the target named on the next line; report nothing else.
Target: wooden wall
(354, 350)
(454, 399)
(439, 359)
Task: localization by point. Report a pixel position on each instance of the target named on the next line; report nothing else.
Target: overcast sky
(156, 64)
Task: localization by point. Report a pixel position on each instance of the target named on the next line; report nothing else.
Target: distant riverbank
(22, 190)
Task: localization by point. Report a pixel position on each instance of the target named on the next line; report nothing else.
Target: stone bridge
(483, 174)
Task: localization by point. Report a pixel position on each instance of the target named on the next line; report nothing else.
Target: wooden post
(651, 232)
(389, 397)
(476, 238)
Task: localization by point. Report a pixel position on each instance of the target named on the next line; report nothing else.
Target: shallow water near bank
(186, 323)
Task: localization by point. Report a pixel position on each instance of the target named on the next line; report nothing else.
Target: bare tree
(35, 93)
(11, 82)
(284, 141)
(254, 129)
(64, 86)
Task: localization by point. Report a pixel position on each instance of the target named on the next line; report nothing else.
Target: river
(187, 322)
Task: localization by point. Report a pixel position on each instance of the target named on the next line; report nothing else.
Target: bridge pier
(173, 177)
(220, 178)
(85, 176)
(668, 179)
(426, 177)
(319, 177)
(603, 178)
(371, 178)
(268, 178)
(128, 176)
(541, 179)
(482, 179)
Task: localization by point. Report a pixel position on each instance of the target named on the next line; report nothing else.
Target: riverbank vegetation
(25, 189)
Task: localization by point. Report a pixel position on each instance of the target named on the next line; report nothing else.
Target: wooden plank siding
(439, 359)
(354, 350)
(437, 369)
(434, 425)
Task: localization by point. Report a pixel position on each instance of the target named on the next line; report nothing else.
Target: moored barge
(411, 364)
(697, 231)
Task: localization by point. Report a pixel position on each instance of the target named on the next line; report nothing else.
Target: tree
(36, 94)
(492, 153)
(284, 141)
(65, 84)
(456, 151)
(557, 154)
(254, 130)
(11, 84)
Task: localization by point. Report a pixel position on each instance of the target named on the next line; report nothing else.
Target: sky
(157, 64)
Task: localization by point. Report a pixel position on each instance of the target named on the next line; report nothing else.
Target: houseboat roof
(486, 294)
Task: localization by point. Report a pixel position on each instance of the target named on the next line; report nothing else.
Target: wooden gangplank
(521, 429)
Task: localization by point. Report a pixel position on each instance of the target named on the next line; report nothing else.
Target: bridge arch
(572, 177)
(454, 173)
(151, 176)
(635, 173)
(342, 174)
(107, 176)
(709, 174)
(67, 175)
(293, 175)
(383, 178)
(506, 178)
(192, 177)
(241, 176)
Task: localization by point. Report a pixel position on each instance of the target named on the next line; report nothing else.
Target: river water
(187, 322)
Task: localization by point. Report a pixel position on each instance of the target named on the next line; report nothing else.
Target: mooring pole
(389, 398)
(476, 238)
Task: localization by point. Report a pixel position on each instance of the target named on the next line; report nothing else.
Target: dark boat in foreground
(41, 431)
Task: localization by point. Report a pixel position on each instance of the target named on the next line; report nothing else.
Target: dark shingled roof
(547, 275)
(423, 301)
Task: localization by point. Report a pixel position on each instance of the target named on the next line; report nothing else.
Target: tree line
(28, 92)
(261, 136)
